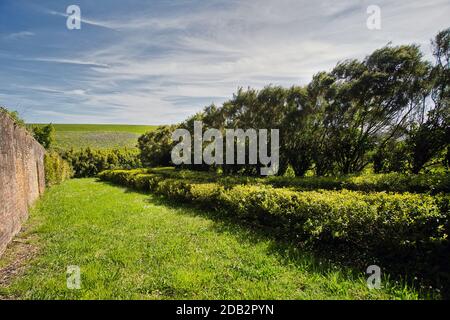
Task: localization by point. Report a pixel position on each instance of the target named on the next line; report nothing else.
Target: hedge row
(390, 182)
(56, 169)
(409, 230)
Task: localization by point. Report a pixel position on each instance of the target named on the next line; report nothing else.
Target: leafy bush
(45, 135)
(393, 182)
(56, 169)
(155, 146)
(394, 157)
(88, 162)
(14, 115)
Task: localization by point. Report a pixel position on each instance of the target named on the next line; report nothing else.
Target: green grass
(95, 139)
(136, 246)
(98, 136)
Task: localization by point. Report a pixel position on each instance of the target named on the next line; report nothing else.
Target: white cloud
(161, 68)
(69, 61)
(19, 35)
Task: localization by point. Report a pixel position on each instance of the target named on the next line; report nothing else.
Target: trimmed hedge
(406, 233)
(364, 219)
(56, 169)
(390, 182)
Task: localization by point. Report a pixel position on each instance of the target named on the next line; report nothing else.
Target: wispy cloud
(160, 63)
(69, 61)
(19, 35)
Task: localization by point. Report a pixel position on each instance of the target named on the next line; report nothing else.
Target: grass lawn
(131, 245)
(98, 136)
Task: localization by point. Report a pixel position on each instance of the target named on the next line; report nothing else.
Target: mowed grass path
(130, 245)
(98, 136)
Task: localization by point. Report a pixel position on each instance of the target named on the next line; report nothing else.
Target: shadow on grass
(313, 259)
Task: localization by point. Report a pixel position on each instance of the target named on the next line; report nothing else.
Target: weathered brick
(22, 177)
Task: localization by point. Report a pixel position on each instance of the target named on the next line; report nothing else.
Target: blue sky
(157, 62)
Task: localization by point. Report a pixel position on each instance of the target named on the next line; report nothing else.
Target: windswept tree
(297, 132)
(391, 109)
(430, 135)
(364, 101)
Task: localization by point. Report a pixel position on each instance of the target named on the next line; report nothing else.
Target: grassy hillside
(99, 136)
(103, 128)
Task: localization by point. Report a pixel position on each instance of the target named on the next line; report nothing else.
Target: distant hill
(98, 136)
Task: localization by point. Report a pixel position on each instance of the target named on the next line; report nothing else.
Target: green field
(98, 136)
(130, 245)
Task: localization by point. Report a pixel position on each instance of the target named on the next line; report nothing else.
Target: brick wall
(22, 177)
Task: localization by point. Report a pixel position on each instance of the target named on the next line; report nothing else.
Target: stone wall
(22, 177)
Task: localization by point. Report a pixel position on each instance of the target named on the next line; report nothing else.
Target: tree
(44, 134)
(393, 157)
(392, 108)
(430, 135)
(155, 146)
(358, 102)
(297, 131)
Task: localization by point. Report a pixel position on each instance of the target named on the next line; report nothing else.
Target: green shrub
(365, 220)
(56, 169)
(14, 115)
(89, 162)
(155, 146)
(393, 182)
(44, 134)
